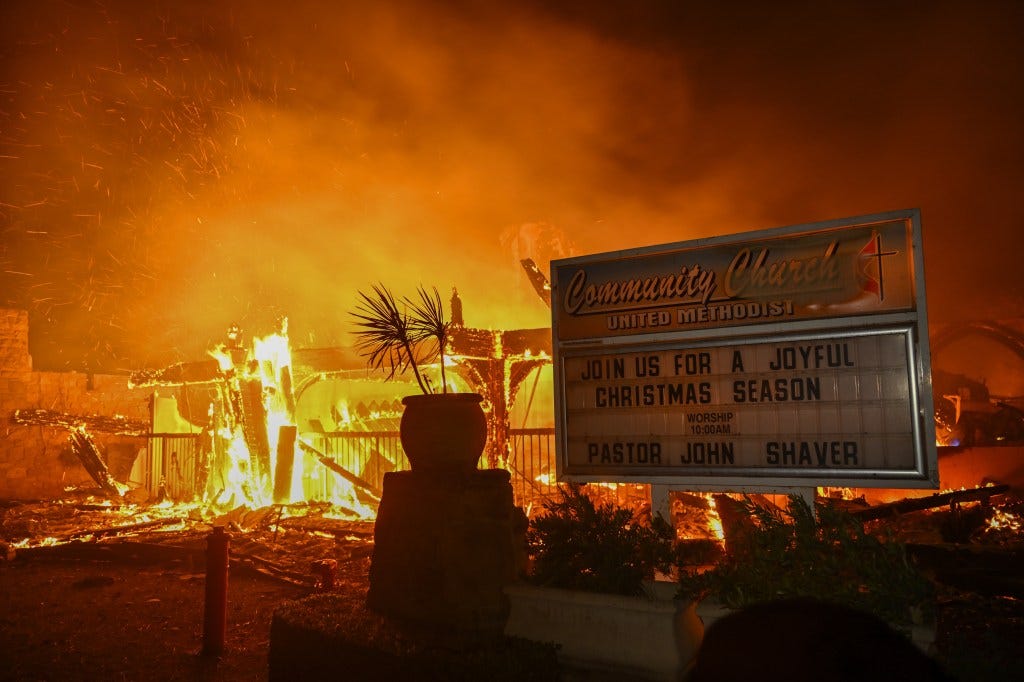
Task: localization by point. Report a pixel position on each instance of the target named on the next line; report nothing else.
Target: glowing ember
(1004, 520)
(36, 542)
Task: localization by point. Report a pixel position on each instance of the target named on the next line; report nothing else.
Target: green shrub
(578, 545)
(793, 554)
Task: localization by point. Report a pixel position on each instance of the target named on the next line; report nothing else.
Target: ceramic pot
(443, 431)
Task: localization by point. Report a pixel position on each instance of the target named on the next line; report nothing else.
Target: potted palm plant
(440, 430)
(591, 590)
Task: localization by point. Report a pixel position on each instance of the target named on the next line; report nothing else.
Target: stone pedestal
(445, 546)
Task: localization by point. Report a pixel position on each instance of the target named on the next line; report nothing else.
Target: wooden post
(254, 425)
(285, 463)
(215, 614)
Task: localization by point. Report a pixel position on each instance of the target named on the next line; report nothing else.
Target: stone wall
(36, 462)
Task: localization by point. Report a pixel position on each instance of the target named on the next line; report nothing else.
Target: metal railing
(532, 464)
(371, 454)
(172, 466)
(366, 454)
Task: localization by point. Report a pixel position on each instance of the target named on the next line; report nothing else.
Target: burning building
(253, 424)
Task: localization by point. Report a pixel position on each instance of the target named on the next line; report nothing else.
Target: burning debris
(953, 499)
(84, 446)
(982, 525)
(279, 542)
(82, 443)
(248, 452)
(256, 456)
(115, 424)
(966, 414)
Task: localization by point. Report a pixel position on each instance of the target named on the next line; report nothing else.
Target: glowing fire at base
(1004, 520)
(714, 520)
(257, 460)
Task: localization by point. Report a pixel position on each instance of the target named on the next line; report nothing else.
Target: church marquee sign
(789, 357)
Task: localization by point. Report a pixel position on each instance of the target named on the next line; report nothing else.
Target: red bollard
(215, 619)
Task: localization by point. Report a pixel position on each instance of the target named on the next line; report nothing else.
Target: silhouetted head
(797, 640)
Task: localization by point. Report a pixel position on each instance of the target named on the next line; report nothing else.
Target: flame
(1003, 520)
(545, 478)
(344, 414)
(986, 484)
(343, 496)
(223, 358)
(836, 493)
(108, 518)
(715, 520)
(273, 358)
(241, 479)
(239, 488)
(273, 354)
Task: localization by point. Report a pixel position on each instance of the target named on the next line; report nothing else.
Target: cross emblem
(869, 267)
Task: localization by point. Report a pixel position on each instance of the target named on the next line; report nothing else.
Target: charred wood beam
(340, 470)
(123, 530)
(488, 377)
(122, 551)
(286, 390)
(232, 402)
(285, 464)
(538, 279)
(518, 372)
(271, 569)
(520, 342)
(254, 424)
(912, 504)
(121, 426)
(359, 529)
(500, 345)
(737, 526)
(179, 374)
(474, 343)
(84, 447)
(206, 455)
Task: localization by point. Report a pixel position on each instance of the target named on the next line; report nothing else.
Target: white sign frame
(907, 317)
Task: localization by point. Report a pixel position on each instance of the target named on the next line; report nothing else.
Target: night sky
(170, 168)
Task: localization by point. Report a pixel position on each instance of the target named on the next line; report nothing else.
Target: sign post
(770, 361)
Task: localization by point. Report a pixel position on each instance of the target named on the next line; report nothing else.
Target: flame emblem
(870, 273)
